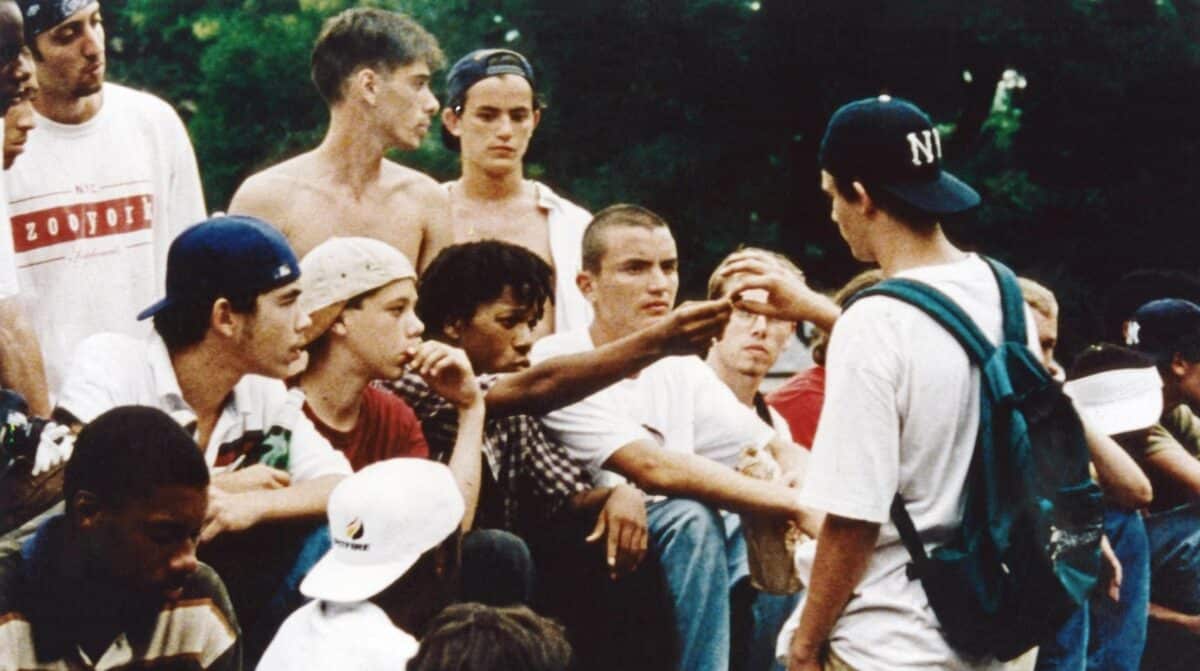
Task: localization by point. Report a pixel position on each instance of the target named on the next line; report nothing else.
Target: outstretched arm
(21, 366)
(563, 380)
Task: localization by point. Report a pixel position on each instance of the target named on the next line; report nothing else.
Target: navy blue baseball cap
(1158, 327)
(478, 65)
(226, 256)
(890, 144)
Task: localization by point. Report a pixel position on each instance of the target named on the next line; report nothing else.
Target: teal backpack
(1028, 551)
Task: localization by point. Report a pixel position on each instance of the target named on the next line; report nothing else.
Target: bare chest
(316, 216)
(527, 227)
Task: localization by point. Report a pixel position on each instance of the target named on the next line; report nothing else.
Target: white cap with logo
(381, 520)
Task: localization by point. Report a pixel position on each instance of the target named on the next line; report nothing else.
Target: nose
(431, 104)
(303, 321)
(93, 40)
(506, 127)
(523, 339)
(659, 281)
(758, 327)
(416, 327)
(184, 562)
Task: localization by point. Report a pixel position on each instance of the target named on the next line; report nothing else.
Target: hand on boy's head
(447, 371)
(691, 327)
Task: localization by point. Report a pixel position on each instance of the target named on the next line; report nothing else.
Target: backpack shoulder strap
(1011, 301)
(941, 309)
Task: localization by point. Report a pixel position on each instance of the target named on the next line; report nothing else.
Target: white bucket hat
(381, 520)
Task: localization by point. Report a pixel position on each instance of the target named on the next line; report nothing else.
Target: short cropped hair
(465, 276)
(126, 453)
(717, 284)
(366, 37)
(915, 218)
(1038, 297)
(185, 323)
(475, 637)
(613, 216)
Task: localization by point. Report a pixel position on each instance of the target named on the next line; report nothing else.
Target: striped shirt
(41, 626)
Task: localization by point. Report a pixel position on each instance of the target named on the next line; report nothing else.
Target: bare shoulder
(413, 185)
(270, 191)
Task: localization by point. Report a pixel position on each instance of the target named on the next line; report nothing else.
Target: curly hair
(465, 276)
(475, 637)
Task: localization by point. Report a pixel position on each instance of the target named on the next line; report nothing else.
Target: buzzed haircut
(366, 37)
(614, 216)
(465, 276)
(475, 637)
(126, 453)
(717, 283)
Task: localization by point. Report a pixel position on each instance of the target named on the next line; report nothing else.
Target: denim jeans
(1103, 634)
(1174, 583)
(703, 556)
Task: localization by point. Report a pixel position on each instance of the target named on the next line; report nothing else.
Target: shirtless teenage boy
(373, 68)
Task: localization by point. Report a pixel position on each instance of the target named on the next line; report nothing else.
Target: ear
(586, 283)
(223, 319)
(537, 117)
(86, 509)
(451, 122)
(339, 326)
(366, 82)
(864, 198)
(1179, 365)
(453, 331)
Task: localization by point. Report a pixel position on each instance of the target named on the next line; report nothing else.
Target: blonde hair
(1038, 297)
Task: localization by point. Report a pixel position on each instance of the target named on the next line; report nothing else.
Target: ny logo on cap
(926, 147)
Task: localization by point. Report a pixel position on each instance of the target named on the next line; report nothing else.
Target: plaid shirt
(533, 474)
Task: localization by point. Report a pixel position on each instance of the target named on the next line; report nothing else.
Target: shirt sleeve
(855, 467)
(8, 254)
(310, 454)
(593, 429)
(94, 381)
(186, 195)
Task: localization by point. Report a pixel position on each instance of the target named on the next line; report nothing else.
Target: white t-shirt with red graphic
(94, 207)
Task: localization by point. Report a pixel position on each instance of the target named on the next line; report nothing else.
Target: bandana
(42, 15)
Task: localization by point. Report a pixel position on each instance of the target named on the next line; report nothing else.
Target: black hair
(465, 276)
(1103, 357)
(613, 216)
(127, 452)
(475, 637)
(368, 37)
(184, 323)
(916, 218)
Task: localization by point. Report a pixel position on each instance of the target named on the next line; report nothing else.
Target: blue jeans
(1175, 583)
(1103, 634)
(703, 555)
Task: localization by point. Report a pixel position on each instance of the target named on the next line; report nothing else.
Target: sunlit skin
(495, 124)
(271, 339)
(850, 222)
(383, 329)
(636, 283)
(750, 345)
(19, 121)
(70, 63)
(405, 104)
(498, 337)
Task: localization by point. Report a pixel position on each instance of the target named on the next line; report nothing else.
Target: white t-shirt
(323, 636)
(677, 402)
(8, 256)
(94, 207)
(111, 370)
(901, 413)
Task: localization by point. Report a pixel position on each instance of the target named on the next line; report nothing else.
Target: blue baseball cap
(226, 256)
(1158, 327)
(890, 144)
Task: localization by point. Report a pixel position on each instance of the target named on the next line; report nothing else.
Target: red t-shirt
(799, 400)
(387, 428)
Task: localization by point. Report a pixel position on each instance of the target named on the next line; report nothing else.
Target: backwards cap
(340, 269)
(1158, 327)
(478, 65)
(381, 520)
(226, 256)
(890, 144)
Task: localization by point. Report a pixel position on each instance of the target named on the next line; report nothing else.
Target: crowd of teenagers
(368, 421)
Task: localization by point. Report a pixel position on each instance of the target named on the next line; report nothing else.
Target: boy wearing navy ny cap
(902, 399)
(492, 110)
(227, 331)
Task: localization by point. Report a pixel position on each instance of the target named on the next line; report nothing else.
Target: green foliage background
(710, 111)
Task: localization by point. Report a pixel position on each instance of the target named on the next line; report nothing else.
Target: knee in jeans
(698, 524)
